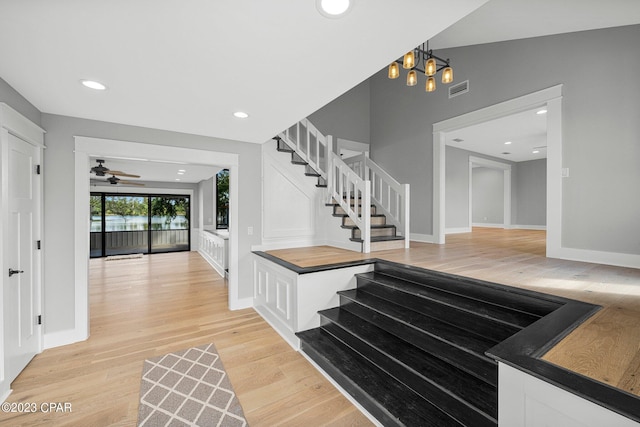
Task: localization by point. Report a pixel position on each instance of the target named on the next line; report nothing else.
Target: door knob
(12, 272)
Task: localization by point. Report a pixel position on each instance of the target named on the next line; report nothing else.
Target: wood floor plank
(606, 348)
(146, 307)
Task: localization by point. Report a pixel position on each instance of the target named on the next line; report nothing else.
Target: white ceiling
(525, 131)
(500, 20)
(188, 65)
(154, 170)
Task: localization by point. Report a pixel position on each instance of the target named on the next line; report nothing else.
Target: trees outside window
(222, 199)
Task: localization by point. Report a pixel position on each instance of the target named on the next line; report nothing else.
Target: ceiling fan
(114, 180)
(101, 170)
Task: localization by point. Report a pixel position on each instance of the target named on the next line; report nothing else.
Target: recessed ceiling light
(540, 112)
(92, 84)
(240, 114)
(535, 151)
(180, 173)
(177, 179)
(508, 143)
(333, 8)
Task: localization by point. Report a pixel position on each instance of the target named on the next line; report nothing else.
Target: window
(222, 199)
(133, 223)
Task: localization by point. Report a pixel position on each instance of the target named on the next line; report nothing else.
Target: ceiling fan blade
(123, 174)
(130, 183)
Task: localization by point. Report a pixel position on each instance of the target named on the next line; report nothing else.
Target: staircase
(369, 227)
(409, 344)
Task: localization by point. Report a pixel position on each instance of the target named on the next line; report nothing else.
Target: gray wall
(347, 116)
(601, 131)
(59, 196)
(456, 188)
(530, 204)
(487, 196)
(12, 98)
(208, 202)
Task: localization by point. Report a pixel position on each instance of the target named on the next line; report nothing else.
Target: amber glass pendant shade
(394, 70)
(412, 78)
(409, 60)
(431, 85)
(430, 67)
(447, 75)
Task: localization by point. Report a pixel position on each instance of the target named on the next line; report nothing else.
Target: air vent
(506, 153)
(457, 140)
(459, 89)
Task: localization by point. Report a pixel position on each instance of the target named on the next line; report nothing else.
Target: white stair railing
(353, 183)
(386, 192)
(353, 194)
(309, 144)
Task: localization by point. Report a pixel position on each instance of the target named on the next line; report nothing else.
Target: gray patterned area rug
(188, 388)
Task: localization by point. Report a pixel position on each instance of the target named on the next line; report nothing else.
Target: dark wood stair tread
(515, 318)
(492, 293)
(444, 331)
(384, 397)
(452, 390)
(481, 367)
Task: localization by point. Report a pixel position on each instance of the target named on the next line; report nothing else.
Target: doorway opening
(85, 147)
(549, 100)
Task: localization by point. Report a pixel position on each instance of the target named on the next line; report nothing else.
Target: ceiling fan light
(409, 60)
(430, 86)
(447, 75)
(412, 78)
(430, 67)
(394, 70)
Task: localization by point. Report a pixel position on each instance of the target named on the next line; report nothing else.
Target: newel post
(406, 214)
(330, 167)
(366, 218)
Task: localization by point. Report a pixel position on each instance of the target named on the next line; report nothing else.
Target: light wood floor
(146, 307)
(151, 306)
(606, 347)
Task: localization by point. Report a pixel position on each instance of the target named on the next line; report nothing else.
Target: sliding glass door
(169, 223)
(133, 223)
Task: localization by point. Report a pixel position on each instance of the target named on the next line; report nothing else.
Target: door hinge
(37, 169)
(39, 245)
(39, 319)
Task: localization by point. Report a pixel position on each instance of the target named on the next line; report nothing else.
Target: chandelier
(430, 63)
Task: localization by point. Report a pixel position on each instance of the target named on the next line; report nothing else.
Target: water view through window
(129, 224)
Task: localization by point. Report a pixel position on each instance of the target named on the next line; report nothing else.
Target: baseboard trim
(276, 325)
(60, 338)
(424, 238)
(481, 224)
(528, 227)
(457, 230)
(5, 394)
(598, 257)
(241, 304)
(217, 267)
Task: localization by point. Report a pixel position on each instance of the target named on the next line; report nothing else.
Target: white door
(21, 290)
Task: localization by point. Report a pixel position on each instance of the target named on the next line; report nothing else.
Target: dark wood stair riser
(379, 393)
(480, 367)
(491, 294)
(433, 327)
(515, 318)
(463, 397)
(480, 325)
